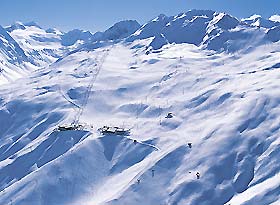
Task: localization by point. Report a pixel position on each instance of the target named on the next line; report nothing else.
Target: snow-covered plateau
(197, 94)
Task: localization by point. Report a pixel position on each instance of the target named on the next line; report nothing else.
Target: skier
(190, 145)
(197, 175)
(138, 181)
(153, 172)
(169, 115)
(135, 142)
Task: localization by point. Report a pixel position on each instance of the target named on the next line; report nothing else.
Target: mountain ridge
(185, 110)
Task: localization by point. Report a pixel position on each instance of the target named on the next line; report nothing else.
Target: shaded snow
(233, 128)
(225, 103)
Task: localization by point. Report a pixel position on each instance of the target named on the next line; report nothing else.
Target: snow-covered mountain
(10, 48)
(209, 29)
(119, 30)
(27, 46)
(42, 47)
(257, 20)
(71, 37)
(13, 60)
(199, 92)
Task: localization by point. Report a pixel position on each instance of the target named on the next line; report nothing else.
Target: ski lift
(106, 130)
(62, 128)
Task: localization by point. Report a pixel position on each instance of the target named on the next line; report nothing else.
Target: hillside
(204, 101)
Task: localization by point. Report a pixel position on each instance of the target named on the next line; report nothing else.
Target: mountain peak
(275, 18)
(259, 21)
(15, 26)
(253, 17)
(54, 31)
(71, 37)
(121, 29)
(225, 21)
(22, 26)
(32, 23)
(160, 17)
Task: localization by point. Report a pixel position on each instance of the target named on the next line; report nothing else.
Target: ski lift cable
(87, 94)
(89, 87)
(76, 106)
(83, 102)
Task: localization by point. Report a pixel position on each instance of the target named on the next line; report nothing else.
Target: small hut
(106, 130)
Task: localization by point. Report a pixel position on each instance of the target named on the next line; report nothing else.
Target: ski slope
(225, 103)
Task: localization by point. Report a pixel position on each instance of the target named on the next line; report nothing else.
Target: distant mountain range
(27, 46)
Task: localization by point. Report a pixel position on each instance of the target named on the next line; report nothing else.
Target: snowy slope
(10, 48)
(13, 60)
(40, 46)
(225, 103)
(28, 47)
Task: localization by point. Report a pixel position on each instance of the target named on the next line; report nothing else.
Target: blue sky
(97, 15)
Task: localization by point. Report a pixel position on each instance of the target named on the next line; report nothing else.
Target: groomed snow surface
(225, 103)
